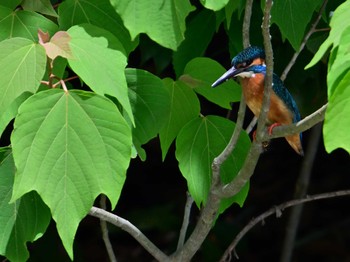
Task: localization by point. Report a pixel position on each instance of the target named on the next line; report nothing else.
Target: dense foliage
(86, 83)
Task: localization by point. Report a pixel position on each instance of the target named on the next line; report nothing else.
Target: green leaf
(184, 106)
(91, 53)
(198, 143)
(150, 101)
(22, 221)
(95, 12)
(292, 17)
(163, 21)
(336, 126)
(199, 33)
(341, 62)
(339, 23)
(11, 110)
(23, 24)
(201, 72)
(10, 3)
(22, 64)
(40, 6)
(214, 5)
(70, 147)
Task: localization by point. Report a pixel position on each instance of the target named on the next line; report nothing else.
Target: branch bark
(278, 211)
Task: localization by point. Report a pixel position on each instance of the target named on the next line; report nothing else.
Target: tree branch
(104, 230)
(131, 229)
(187, 212)
(301, 126)
(278, 211)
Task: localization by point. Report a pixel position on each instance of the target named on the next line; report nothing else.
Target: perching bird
(249, 66)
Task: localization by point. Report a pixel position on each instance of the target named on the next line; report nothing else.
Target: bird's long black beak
(232, 72)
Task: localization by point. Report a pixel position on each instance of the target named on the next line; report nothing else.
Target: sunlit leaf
(214, 5)
(22, 64)
(163, 21)
(91, 53)
(70, 147)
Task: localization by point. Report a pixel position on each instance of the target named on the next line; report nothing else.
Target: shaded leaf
(340, 21)
(10, 3)
(199, 33)
(11, 110)
(70, 147)
(95, 12)
(214, 5)
(40, 6)
(197, 144)
(201, 72)
(22, 64)
(150, 101)
(22, 221)
(184, 106)
(163, 21)
(91, 53)
(23, 24)
(292, 17)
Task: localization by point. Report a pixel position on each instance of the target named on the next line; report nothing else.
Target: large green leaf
(21, 221)
(70, 147)
(10, 3)
(339, 23)
(198, 143)
(214, 4)
(150, 101)
(201, 72)
(184, 106)
(23, 24)
(92, 53)
(96, 12)
(22, 64)
(199, 33)
(336, 126)
(163, 21)
(41, 6)
(292, 17)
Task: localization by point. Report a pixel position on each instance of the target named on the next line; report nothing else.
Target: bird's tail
(295, 143)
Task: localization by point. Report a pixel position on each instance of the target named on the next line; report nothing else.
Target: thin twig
(185, 222)
(104, 230)
(246, 23)
(278, 210)
(131, 229)
(303, 43)
(251, 125)
(301, 188)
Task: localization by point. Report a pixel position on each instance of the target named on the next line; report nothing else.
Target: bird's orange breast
(253, 91)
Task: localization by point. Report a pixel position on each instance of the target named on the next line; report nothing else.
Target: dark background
(154, 195)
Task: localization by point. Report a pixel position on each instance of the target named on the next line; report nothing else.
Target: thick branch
(278, 211)
(131, 229)
(301, 126)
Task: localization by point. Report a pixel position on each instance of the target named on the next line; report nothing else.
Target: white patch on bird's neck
(247, 74)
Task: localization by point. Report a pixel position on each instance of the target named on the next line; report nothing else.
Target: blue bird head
(242, 64)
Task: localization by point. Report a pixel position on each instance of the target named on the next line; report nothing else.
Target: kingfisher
(249, 66)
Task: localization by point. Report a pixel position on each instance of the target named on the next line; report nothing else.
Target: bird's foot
(270, 128)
